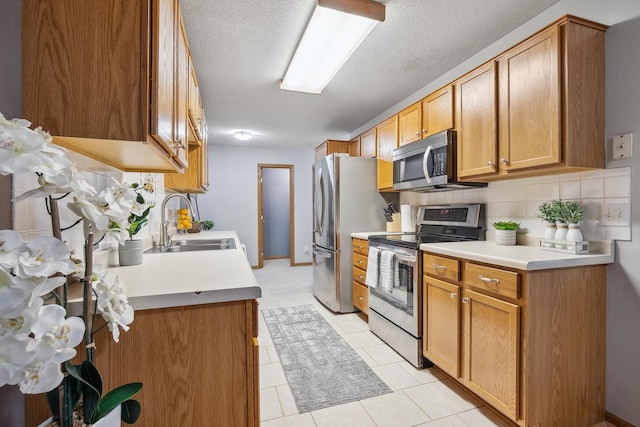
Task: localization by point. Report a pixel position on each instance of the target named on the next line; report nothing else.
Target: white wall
(232, 199)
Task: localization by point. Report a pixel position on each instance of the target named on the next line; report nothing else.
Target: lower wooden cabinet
(359, 290)
(531, 344)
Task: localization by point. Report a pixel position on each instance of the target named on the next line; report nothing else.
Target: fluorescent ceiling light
(243, 136)
(336, 29)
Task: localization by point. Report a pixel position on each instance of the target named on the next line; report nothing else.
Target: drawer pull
(360, 277)
(360, 298)
(360, 261)
(454, 295)
(439, 267)
(465, 300)
(489, 279)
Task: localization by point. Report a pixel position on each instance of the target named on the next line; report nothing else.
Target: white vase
(561, 234)
(574, 234)
(130, 253)
(549, 234)
(112, 419)
(505, 237)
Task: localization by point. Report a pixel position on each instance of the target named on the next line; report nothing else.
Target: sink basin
(194, 245)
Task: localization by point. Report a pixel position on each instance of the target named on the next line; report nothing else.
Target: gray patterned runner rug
(321, 368)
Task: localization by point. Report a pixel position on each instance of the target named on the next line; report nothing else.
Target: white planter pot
(505, 237)
(112, 419)
(131, 252)
(574, 234)
(561, 234)
(549, 234)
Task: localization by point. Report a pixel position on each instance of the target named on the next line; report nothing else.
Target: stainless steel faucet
(164, 224)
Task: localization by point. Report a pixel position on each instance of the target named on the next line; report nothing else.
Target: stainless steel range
(395, 298)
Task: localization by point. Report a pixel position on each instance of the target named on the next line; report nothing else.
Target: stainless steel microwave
(428, 165)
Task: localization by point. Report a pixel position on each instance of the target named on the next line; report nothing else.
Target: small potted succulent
(506, 232)
(548, 212)
(572, 213)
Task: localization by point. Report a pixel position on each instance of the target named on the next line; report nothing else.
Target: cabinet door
(354, 147)
(529, 116)
(387, 137)
(441, 317)
(410, 124)
(369, 144)
(491, 331)
(182, 94)
(476, 122)
(437, 111)
(163, 73)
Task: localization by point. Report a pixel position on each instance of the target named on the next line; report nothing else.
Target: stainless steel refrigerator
(345, 200)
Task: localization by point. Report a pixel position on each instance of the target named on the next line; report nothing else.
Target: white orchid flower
(20, 148)
(11, 245)
(40, 377)
(61, 333)
(20, 321)
(45, 256)
(113, 303)
(14, 356)
(13, 291)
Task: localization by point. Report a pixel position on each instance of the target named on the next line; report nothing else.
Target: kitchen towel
(372, 267)
(408, 218)
(387, 279)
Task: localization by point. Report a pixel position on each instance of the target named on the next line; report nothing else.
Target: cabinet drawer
(360, 261)
(494, 280)
(358, 275)
(361, 246)
(444, 268)
(360, 297)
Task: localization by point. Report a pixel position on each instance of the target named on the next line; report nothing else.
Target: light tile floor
(420, 397)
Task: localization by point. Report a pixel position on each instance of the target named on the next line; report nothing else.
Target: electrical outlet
(622, 146)
(617, 214)
(306, 249)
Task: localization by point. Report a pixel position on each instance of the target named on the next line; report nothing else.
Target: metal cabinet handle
(360, 261)
(505, 161)
(439, 267)
(465, 300)
(360, 277)
(424, 131)
(417, 133)
(360, 298)
(489, 279)
(491, 164)
(453, 295)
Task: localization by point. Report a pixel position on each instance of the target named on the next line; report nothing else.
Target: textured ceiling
(241, 49)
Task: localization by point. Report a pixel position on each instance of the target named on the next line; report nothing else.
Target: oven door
(399, 302)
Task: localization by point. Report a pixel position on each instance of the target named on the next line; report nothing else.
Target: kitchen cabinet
(410, 124)
(360, 291)
(112, 90)
(196, 112)
(387, 141)
(195, 177)
(354, 147)
(369, 144)
(437, 111)
(550, 106)
(330, 147)
(491, 328)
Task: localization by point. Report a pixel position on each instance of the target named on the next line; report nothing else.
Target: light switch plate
(622, 146)
(616, 214)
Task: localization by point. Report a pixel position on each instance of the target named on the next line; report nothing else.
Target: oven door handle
(425, 164)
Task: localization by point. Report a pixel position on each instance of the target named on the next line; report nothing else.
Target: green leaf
(130, 411)
(116, 397)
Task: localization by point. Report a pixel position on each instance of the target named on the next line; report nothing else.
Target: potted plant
(38, 337)
(130, 251)
(548, 212)
(572, 213)
(505, 232)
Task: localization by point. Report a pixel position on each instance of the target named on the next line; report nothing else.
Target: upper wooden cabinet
(196, 112)
(437, 111)
(330, 146)
(354, 147)
(111, 89)
(369, 144)
(550, 106)
(410, 124)
(195, 177)
(387, 141)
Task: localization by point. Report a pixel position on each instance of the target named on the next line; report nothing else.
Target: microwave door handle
(402, 169)
(425, 163)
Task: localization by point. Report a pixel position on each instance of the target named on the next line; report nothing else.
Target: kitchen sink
(194, 245)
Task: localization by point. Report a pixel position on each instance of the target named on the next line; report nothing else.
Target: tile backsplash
(518, 199)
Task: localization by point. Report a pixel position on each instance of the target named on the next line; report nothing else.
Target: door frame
(292, 251)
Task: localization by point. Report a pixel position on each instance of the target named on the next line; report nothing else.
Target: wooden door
(387, 138)
(441, 317)
(437, 111)
(476, 122)
(491, 333)
(410, 124)
(369, 144)
(163, 71)
(529, 117)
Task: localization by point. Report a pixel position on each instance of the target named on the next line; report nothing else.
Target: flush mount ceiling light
(336, 29)
(243, 136)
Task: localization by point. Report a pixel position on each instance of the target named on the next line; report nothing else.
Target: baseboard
(301, 264)
(617, 421)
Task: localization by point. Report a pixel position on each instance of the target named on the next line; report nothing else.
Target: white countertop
(365, 234)
(520, 256)
(189, 278)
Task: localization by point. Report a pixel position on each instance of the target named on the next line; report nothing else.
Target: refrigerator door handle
(322, 253)
(319, 211)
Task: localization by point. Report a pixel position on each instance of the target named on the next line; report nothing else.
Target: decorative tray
(565, 246)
